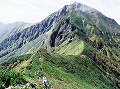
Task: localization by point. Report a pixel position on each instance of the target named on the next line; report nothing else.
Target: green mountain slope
(66, 72)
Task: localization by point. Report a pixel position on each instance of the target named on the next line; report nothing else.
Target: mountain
(76, 30)
(1, 25)
(77, 18)
(11, 28)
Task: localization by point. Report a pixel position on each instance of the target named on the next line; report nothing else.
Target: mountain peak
(76, 3)
(78, 7)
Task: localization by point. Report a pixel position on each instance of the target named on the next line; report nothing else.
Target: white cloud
(36, 10)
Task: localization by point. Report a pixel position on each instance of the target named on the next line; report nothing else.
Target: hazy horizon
(32, 11)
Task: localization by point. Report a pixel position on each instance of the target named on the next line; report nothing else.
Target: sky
(33, 11)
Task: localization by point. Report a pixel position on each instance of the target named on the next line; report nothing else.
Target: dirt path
(55, 86)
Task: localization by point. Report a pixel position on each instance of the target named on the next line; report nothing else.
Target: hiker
(45, 82)
(45, 85)
(32, 85)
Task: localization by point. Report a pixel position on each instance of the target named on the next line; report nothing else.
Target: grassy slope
(66, 72)
(84, 73)
(67, 48)
(87, 30)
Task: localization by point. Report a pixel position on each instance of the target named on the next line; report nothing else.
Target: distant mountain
(11, 28)
(75, 29)
(1, 25)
